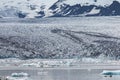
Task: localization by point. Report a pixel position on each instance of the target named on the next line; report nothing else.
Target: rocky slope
(85, 10)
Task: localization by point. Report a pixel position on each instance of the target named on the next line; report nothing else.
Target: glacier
(60, 38)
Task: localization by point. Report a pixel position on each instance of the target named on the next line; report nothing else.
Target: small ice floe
(18, 76)
(110, 73)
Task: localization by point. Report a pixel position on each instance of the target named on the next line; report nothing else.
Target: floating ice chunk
(110, 73)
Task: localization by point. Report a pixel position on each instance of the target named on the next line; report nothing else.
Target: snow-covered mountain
(24, 8)
(63, 9)
(112, 10)
(58, 8)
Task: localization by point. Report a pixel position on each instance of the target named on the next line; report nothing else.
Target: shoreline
(83, 67)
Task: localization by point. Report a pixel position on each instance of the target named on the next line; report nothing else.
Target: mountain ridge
(59, 9)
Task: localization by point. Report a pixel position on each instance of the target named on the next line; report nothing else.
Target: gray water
(62, 74)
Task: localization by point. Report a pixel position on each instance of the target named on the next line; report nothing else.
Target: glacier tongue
(60, 38)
